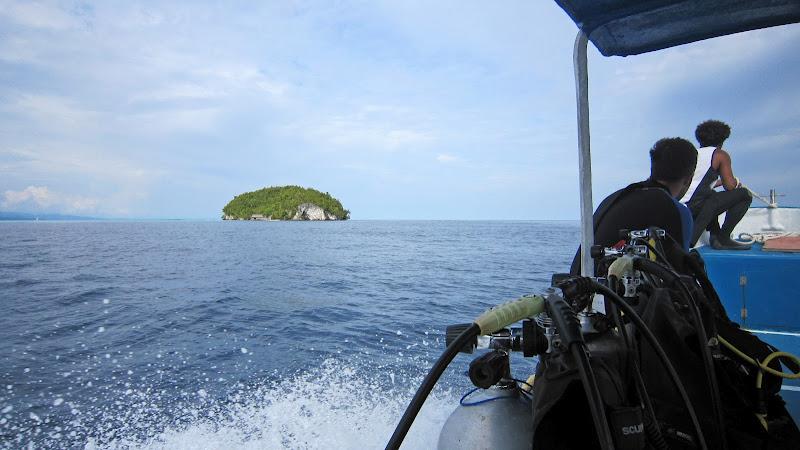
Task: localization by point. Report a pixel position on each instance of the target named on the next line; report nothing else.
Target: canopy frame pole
(580, 65)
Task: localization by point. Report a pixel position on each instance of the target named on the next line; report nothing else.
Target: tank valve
(489, 369)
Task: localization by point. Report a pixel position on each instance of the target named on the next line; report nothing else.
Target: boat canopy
(631, 27)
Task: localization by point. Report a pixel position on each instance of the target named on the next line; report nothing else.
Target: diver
(651, 203)
(713, 170)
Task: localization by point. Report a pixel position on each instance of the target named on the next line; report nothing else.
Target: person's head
(672, 162)
(712, 133)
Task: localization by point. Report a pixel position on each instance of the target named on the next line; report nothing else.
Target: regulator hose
(490, 321)
(427, 385)
(651, 425)
(763, 366)
(651, 339)
(569, 331)
(672, 277)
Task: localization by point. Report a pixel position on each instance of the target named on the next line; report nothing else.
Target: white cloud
(212, 84)
(42, 198)
(39, 195)
(345, 132)
(763, 144)
(246, 78)
(72, 177)
(37, 15)
(177, 91)
(655, 72)
(371, 127)
(153, 107)
(356, 132)
(447, 158)
(55, 112)
(169, 121)
(66, 160)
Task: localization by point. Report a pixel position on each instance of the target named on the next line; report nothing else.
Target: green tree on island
(281, 202)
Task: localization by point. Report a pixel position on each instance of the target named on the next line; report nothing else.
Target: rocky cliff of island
(285, 203)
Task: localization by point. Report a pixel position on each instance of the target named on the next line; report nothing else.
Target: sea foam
(333, 406)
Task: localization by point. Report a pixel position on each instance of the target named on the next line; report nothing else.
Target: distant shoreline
(33, 217)
(117, 219)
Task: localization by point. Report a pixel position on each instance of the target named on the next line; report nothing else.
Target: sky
(401, 110)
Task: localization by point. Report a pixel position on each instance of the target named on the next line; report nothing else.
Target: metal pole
(580, 65)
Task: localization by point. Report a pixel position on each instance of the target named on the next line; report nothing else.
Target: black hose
(427, 385)
(651, 426)
(569, 331)
(593, 395)
(672, 277)
(695, 265)
(651, 339)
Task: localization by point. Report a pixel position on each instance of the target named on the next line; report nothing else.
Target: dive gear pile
(659, 365)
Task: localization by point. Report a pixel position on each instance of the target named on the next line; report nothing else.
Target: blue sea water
(247, 334)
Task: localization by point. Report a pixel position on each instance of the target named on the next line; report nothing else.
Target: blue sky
(402, 110)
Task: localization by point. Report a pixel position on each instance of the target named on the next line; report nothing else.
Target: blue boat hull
(760, 291)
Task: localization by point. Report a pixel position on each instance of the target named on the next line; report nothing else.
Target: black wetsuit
(638, 207)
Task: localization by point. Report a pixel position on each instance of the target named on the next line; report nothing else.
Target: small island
(285, 203)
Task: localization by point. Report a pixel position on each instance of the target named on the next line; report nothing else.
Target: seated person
(714, 169)
(651, 203)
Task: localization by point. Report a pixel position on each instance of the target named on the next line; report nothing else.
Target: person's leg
(703, 214)
(737, 203)
(713, 227)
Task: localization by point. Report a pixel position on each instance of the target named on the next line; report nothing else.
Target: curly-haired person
(714, 169)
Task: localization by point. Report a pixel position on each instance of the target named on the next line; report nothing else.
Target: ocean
(226, 335)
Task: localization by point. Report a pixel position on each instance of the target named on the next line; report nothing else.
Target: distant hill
(285, 203)
(10, 215)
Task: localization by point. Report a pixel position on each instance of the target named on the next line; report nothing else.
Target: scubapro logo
(633, 429)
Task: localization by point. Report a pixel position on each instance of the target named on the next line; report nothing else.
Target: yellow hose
(763, 366)
(504, 315)
(768, 359)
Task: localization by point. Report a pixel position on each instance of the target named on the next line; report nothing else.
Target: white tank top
(704, 156)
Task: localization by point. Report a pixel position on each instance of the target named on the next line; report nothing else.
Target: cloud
(177, 91)
(161, 109)
(68, 161)
(37, 15)
(212, 84)
(54, 112)
(445, 158)
(720, 57)
(370, 127)
(39, 195)
(72, 177)
(346, 132)
(763, 144)
(42, 198)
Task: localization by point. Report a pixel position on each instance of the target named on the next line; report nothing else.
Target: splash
(334, 406)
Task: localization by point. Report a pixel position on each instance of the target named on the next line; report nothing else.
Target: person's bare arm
(723, 164)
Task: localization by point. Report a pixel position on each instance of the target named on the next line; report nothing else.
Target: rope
(750, 238)
(763, 199)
